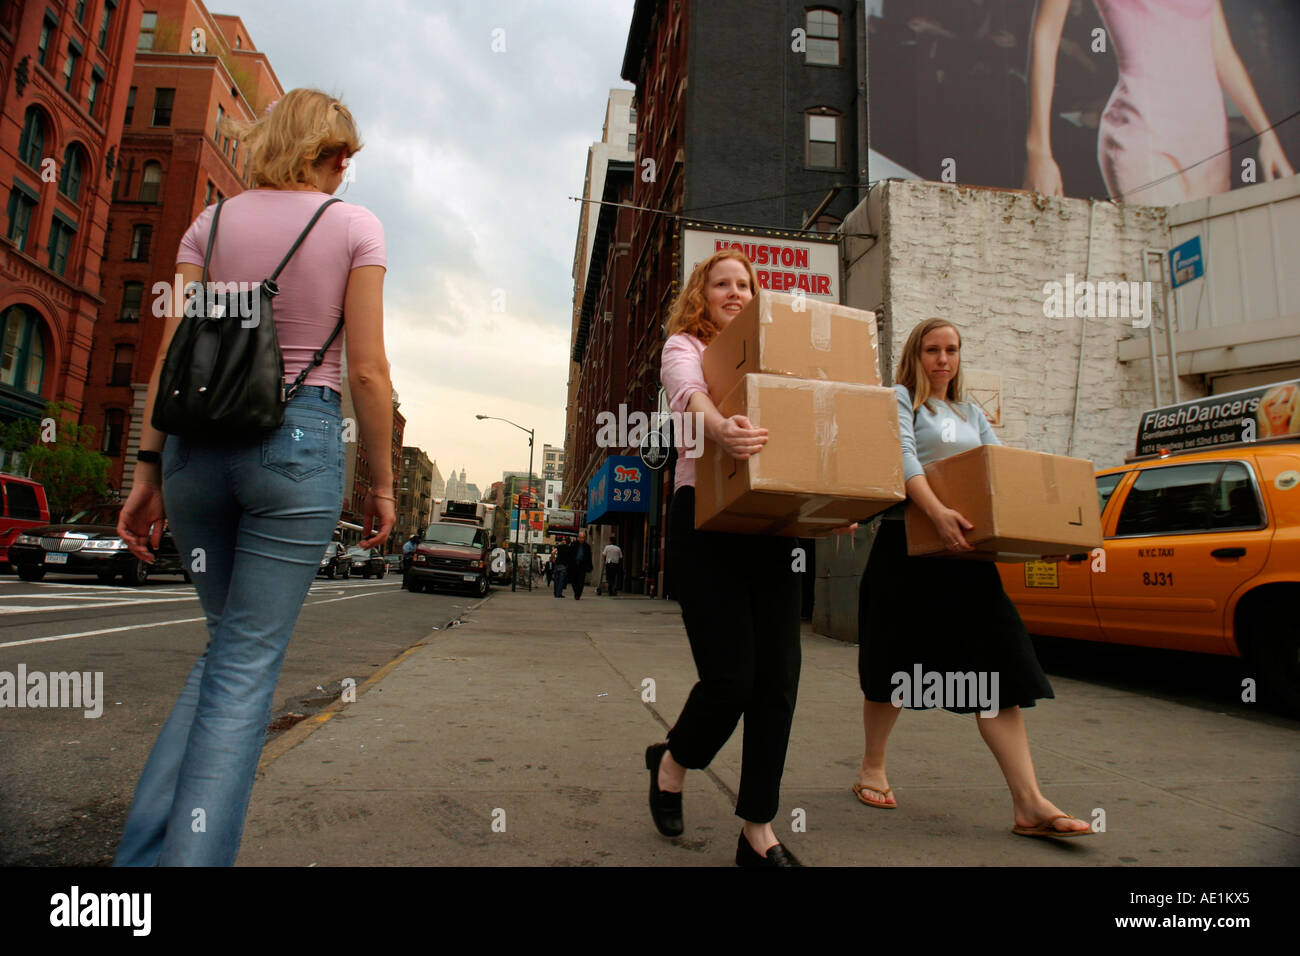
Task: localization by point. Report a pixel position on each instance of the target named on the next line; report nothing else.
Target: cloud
(470, 157)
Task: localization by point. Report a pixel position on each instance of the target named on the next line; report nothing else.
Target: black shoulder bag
(223, 377)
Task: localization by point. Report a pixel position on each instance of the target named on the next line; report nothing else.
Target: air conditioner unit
(609, 316)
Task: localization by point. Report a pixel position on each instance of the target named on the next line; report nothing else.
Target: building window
(140, 237)
(22, 203)
(130, 107)
(70, 65)
(631, 142)
(207, 195)
(81, 11)
(48, 26)
(61, 233)
(32, 142)
(216, 130)
(70, 181)
(631, 115)
(114, 431)
(822, 135)
(132, 296)
(105, 21)
(148, 24)
(150, 182)
(123, 361)
(823, 38)
(162, 106)
(96, 81)
(22, 359)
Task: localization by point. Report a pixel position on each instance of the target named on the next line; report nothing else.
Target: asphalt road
(66, 779)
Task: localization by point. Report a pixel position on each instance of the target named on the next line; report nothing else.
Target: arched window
(73, 164)
(151, 183)
(823, 38)
(140, 238)
(22, 350)
(132, 296)
(823, 134)
(123, 363)
(31, 145)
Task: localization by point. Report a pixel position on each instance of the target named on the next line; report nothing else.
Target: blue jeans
(561, 573)
(252, 521)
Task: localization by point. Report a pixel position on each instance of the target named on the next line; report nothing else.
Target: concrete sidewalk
(518, 738)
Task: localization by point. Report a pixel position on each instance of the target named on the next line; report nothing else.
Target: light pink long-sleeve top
(682, 374)
(257, 228)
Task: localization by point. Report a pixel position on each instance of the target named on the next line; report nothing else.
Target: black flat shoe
(776, 856)
(665, 807)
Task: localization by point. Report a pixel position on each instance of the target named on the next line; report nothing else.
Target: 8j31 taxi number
(1158, 578)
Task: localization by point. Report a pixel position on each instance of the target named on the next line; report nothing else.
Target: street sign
(1186, 262)
(655, 447)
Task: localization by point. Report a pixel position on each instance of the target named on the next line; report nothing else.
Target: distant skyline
(470, 156)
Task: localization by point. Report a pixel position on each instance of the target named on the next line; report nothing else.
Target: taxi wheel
(1276, 652)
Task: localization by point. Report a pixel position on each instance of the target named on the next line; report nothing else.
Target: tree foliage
(62, 455)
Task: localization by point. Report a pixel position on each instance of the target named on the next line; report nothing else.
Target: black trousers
(614, 577)
(578, 578)
(740, 604)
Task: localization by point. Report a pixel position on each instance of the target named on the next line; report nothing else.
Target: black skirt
(932, 630)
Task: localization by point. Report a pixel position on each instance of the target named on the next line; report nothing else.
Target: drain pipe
(1151, 332)
(1083, 333)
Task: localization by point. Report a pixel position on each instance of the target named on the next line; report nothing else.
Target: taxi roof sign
(1262, 413)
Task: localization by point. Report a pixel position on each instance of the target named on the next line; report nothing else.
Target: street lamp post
(519, 511)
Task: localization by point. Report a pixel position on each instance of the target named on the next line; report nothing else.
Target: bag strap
(212, 241)
(289, 391)
(270, 282)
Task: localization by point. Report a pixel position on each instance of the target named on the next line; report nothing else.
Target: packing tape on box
(1051, 486)
(819, 314)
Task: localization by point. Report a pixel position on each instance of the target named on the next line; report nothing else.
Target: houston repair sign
(783, 263)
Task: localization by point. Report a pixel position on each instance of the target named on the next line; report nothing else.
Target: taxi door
(1054, 598)
(1186, 537)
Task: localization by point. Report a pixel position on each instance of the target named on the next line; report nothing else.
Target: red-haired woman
(738, 594)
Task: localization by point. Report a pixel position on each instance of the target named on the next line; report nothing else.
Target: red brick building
(65, 71)
(192, 69)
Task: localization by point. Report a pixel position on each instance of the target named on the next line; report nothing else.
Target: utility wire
(1229, 148)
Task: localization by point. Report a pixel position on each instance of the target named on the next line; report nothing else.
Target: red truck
(454, 549)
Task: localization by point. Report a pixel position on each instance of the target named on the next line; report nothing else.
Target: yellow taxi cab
(1201, 553)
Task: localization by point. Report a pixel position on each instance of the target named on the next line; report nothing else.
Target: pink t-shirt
(257, 228)
(682, 374)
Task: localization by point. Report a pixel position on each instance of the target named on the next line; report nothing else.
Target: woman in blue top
(908, 631)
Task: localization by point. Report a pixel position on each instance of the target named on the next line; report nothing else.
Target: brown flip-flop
(1046, 829)
(859, 787)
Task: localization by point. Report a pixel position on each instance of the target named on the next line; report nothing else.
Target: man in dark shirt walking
(578, 560)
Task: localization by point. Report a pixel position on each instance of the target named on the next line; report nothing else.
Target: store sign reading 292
(626, 474)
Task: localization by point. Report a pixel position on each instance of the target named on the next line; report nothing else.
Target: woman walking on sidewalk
(901, 624)
(256, 514)
(739, 597)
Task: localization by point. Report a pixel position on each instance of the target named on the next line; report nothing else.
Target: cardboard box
(1023, 504)
(821, 340)
(832, 457)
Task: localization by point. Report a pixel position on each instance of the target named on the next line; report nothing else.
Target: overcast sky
(469, 161)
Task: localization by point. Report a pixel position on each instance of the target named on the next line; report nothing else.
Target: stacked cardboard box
(808, 371)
